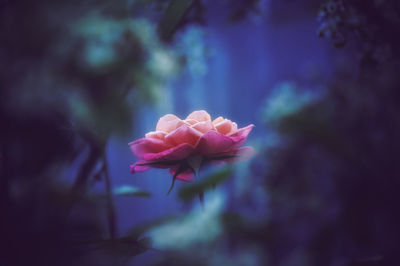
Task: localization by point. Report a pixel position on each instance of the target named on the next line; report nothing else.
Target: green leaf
(194, 189)
(138, 230)
(130, 191)
(175, 12)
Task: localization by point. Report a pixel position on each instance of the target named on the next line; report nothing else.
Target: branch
(110, 202)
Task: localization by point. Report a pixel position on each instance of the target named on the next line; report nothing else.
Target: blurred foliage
(204, 184)
(332, 177)
(246, 8)
(130, 191)
(39, 228)
(200, 227)
(74, 73)
(371, 25)
(332, 184)
(283, 101)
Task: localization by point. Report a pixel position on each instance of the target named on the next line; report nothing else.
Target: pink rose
(184, 145)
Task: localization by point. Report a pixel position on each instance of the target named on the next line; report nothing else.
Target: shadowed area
(86, 86)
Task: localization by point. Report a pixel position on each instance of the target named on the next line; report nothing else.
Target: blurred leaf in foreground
(192, 190)
(130, 191)
(201, 226)
(175, 12)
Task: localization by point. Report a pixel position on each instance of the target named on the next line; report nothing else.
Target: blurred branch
(80, 185)
(96, 153)
(176, 11)
(110, 202)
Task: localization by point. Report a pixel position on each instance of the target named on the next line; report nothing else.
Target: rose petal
(143, 165)
(175, 153)
(168, 123)
(156, 135)
(186, 175)
(217, 120)
(242, 132)
(141, 147)
(190, 121)
(224, 127)
(234, 128)
(176, 140)
(138, 168)
(183, 134)
(199, 116)
(213, 142)
(204, 126)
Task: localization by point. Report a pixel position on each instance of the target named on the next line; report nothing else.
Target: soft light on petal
(156, 135)
(217, 120)
(243, 132)
(224, 127)
(234, 128)
(199, 116)
(204, 126)
(168, 123)
(183, 145)
(175, 153)
(183, 134)
(190, 121)
(213, 143)
(143, 146)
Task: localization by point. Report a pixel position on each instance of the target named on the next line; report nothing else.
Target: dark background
(79, 80)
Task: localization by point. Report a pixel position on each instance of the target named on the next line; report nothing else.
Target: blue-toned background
(318, 79)
(238, 65)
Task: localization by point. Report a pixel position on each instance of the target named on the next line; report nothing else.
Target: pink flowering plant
(183, 146)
